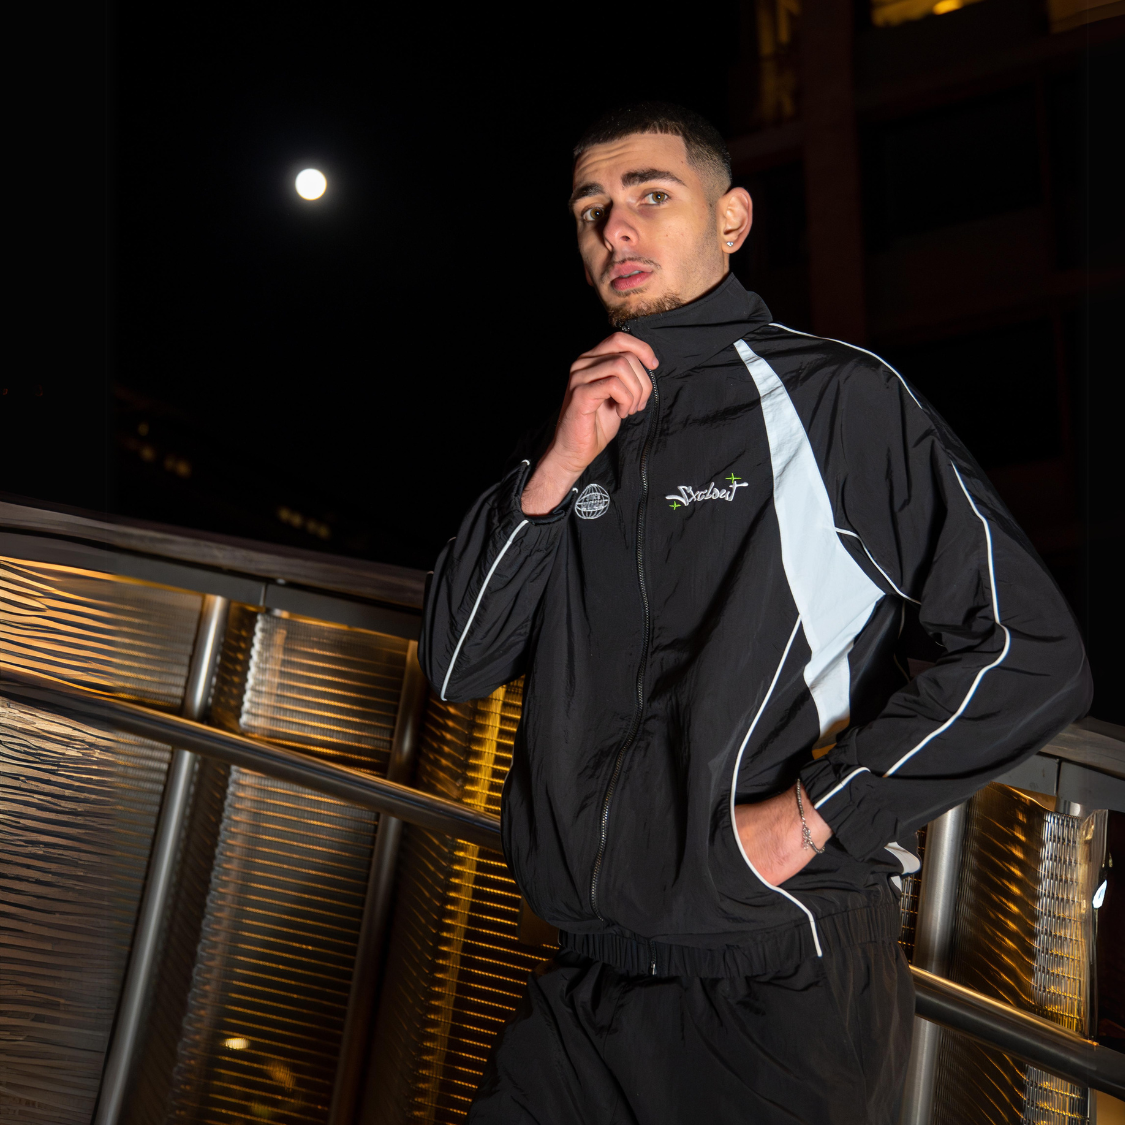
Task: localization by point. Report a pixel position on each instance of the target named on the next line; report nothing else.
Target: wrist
(814, 829)
(548, 485)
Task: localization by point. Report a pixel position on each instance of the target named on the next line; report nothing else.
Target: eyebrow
(628, 179)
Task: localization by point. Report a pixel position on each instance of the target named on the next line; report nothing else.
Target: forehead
(606, 163)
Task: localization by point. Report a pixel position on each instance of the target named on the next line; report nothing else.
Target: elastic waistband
(760, 954)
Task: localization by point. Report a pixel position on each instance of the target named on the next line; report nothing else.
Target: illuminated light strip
(734, 781)
(476, 605)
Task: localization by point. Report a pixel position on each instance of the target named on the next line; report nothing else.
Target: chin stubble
(620, 315)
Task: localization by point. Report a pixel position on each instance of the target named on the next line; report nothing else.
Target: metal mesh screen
(77, 814)
(1024, 934)
(309, 685)
(908, 902)
(275, 956)
(261, 1031)
(456, 967)
(79, 808)
(128, 638)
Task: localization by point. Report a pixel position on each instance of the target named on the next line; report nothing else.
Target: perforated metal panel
(456, 967)
(306, 684)
(1024, 935)
(77, 812)
(274, 963)
(260, 1030)
(79, 805)
(128, 638)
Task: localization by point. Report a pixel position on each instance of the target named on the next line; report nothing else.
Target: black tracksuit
(724, 604)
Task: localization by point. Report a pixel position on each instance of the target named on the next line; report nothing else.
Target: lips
(628, 276)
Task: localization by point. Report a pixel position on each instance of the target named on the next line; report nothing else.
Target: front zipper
(641, 510)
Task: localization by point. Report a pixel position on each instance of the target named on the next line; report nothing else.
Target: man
(705, 575)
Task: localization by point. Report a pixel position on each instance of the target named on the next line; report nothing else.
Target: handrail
(412, 805)
(1027, 1036)
(1031, 1038)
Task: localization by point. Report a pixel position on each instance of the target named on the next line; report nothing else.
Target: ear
(734, 214)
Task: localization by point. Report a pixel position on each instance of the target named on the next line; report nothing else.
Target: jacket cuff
(845, 794)
(519, 478)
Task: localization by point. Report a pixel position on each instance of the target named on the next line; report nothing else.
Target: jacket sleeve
(1012, 672)
(486, 586)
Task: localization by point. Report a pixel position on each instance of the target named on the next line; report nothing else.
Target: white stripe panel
(476, 604)
(734, 785)
(991, 571)
(833, 595)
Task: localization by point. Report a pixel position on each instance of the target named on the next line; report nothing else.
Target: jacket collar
(689, 336)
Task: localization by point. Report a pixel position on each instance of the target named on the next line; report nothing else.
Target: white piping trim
(844, 531)
(857, 348)
(476, 605)
(987, 538)
(996, 615)
(840, 785)
(734, 781)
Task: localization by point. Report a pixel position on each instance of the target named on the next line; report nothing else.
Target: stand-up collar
(690, 335)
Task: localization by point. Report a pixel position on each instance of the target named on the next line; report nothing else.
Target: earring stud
(730, 243)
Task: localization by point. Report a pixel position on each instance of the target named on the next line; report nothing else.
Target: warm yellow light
(237, 1043)
(943, 6)
(311, 184)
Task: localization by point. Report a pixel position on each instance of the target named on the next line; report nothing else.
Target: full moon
(311, 184)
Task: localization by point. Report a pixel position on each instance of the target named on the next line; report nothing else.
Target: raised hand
(607, 384)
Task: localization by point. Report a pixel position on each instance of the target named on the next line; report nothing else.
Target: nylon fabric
(825, 1043)
(834, 596)
(810, 482)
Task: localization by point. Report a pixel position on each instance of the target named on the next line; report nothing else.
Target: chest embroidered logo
(688, 495)
(593, 502)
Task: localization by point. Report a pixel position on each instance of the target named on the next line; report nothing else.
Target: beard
(620, 315)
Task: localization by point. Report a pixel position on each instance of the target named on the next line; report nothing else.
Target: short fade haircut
(705, 146)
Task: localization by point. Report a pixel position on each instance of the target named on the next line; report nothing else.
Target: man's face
(650, 228)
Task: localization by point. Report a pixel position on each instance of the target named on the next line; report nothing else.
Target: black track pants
(824, 1045)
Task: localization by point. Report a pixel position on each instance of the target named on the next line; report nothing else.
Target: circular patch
(592, 503)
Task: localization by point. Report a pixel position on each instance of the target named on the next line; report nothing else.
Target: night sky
(368, 362)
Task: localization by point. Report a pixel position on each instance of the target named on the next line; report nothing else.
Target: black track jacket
(715, 611)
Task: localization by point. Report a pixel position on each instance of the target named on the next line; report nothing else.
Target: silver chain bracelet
(805, 833)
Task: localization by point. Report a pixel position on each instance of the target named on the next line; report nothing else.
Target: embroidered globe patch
(592, 503)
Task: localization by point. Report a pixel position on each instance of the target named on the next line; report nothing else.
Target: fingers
(623, 366)
(623, 342)
(622, 371)
(589, 397)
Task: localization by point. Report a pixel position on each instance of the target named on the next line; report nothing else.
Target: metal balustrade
(111, 695)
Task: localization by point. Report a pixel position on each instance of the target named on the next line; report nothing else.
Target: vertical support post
(377, 905)
(141, 970)
(832, 181)
(933, 945)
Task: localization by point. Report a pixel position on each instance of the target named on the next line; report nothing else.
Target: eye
(656, 197)
(593, 214)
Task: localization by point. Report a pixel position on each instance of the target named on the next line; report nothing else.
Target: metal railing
(1030, 1038)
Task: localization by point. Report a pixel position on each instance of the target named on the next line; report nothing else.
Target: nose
(619, 230)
